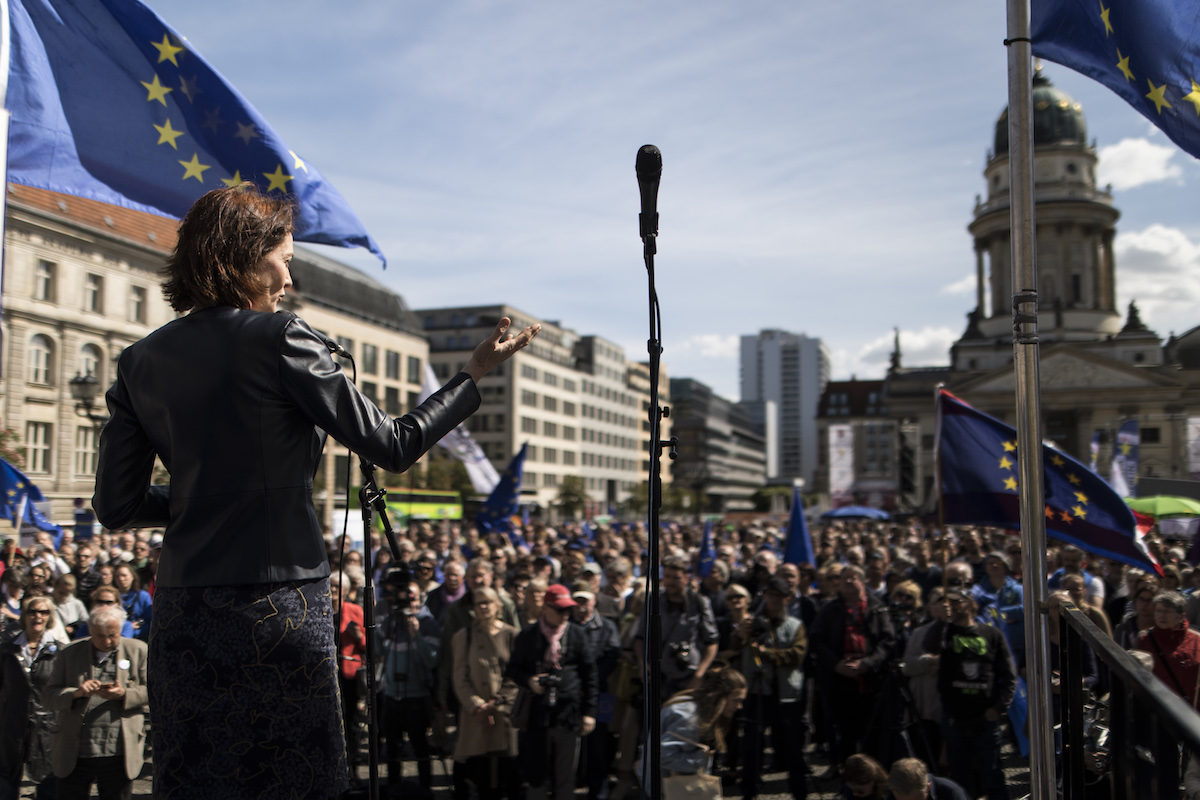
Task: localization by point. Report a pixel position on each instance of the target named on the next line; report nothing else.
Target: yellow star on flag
(1005, 463)
(1074, 479)
(1080, 512)
(1108, 28)
(278, 179)
(236, 180)
(1081, 497)
(157, 91)
(1157, 96)
(246, 132)
(1193, 96)
(167, 134)
(299, 164)
(1065, 516)
(1049, 512)
(167, 51)
(1123, 65)
(1010, 483)
(1126, 449)
(1010, 447)
(1056, 460)
(189, 88)
(193, 168)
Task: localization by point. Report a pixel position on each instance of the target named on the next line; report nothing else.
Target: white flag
(459, 442)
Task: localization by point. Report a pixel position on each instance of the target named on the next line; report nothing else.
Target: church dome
(1057, 118)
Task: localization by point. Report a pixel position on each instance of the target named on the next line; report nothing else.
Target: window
(414, 370)
(568, 409)
(93, 293)
(550, 379)
(90, 361)
(550, 403)
(531, 452)
(529, 371)
(529, 478)
(550, 455)
(41, 360)
(528, 425)
(549, 480)
(568, 458)
(391, 365)
(528, 398)
(1150, 436)
(348, 346)
(391, 401)
(550, 429)
(137, 304)
(498, 423)
(44, 285)
(371, 391)
(370, 359)
(37, 447)
(414, 400)
(568, 384)
(86, 450)
(568, 432)
(430, 322)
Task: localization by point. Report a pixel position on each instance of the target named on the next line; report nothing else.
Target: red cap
(559, 596)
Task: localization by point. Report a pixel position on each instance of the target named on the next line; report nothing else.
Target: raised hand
(492, 351)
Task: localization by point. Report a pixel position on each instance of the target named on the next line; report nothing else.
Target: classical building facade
(1099, 367)
(81, 283)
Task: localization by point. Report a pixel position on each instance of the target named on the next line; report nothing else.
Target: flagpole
(1025, 366)
(5, 56)
(937, 473)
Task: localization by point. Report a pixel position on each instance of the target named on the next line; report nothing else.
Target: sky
(820, 161)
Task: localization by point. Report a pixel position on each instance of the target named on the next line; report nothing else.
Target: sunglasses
(38, 611)
(424, 566)
(106, 602)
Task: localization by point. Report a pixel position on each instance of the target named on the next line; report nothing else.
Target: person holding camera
(769, 651)
(411, 641)
(689, 631)
(553, 665)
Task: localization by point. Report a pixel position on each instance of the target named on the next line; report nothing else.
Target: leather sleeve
(124, 497)
(311, 378)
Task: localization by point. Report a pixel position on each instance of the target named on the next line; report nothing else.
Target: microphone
(649, 173)
(337, 349)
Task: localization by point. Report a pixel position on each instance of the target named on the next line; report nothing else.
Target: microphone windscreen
(649, 163)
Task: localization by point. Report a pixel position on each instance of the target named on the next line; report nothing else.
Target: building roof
(851, 398)
(318, 280)
(1057, 118)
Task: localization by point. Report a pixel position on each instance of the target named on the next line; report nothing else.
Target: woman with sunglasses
(105, 596)
(26, 727)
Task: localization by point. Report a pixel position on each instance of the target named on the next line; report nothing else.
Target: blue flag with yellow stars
(1147, 51)
(109, 103)
(497, 513)
(17, 497)
(977, 457)
(707, 556)
(798, 547)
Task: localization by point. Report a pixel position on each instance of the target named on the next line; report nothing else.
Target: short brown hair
(909, 775)
(223, 238)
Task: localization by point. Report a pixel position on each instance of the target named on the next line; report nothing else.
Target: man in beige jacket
(98, 687)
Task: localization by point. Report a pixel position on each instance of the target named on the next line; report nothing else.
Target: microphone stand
(372, 498)
(652, 773)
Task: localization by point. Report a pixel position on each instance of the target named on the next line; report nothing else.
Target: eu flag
(977, 457)
(1147, 51)
(109, 103)
(798, 548)
(501, 506)
(17, 497)
(707, 556)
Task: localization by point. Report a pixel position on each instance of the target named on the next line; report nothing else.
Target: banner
(841, 462)
(462, 446)
(1125, 456)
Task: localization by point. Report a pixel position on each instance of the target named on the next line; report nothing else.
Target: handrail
(1148, 720)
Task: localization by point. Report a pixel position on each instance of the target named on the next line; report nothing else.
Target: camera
(550, 682)
(396, 590)
(759, 626)
(682, 653)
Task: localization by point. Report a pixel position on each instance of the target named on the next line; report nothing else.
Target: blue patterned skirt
(244, 693)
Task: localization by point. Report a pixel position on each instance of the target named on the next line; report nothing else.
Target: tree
(572, 495)
(11, 448)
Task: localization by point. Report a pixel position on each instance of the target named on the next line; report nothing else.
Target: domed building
(1100, 365)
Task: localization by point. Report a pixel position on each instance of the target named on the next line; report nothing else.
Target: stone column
(980, 246)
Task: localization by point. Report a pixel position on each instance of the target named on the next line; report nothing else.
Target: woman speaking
(236, 400)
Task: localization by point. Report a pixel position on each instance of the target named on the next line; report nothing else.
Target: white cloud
(1159, 267)
(927, 347)
(965, 286)
(1134, 162)
(710, 345)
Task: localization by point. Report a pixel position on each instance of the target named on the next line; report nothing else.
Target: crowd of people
(897, 655)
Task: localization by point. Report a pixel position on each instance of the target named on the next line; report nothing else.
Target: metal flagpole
(1025, 366)
(5, 54)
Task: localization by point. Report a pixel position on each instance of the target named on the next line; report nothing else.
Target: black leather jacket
(237, 404)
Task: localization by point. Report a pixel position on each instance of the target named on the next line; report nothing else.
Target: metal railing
(1148, 723)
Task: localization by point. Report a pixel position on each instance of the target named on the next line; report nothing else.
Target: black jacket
(828, 639)
(237, 404)
(577, 694)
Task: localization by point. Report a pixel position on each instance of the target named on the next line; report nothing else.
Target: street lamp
(84, 389)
